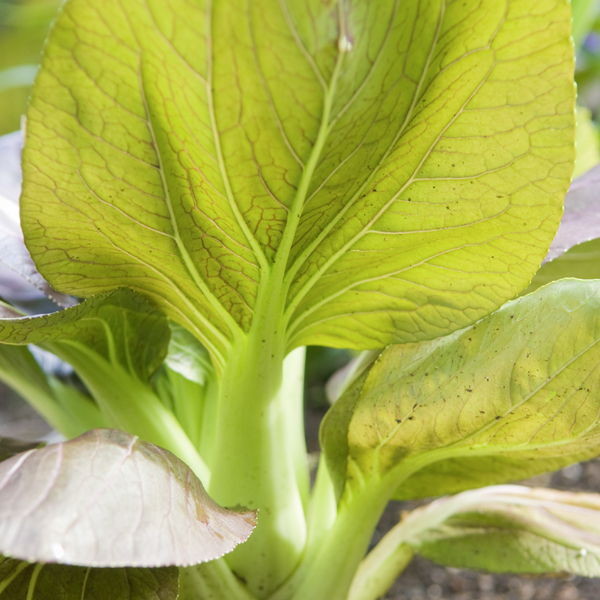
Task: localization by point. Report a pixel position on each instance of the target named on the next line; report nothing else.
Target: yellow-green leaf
(380, 171)
(514, 395)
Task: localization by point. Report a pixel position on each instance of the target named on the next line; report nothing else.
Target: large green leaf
(368, 172)
(23, 581)
(514, 395)
(107, 499)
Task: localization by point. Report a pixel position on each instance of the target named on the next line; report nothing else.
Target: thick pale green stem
(322, 510)
(327, 573)
(380, 569)
(259, 458)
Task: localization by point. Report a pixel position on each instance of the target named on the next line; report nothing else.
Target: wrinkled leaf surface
(516, 394)
(394, 170)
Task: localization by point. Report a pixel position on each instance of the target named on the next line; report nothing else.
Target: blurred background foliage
(24, 25)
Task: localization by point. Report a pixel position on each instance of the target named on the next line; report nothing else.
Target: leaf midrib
(303, 256)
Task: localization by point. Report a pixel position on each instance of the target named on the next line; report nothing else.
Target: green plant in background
(23, 28)
(226, 185)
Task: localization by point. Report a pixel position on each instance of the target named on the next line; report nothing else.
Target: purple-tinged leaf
(107, 499)
(22, 581)
(575, 227)
(19, 279)
(15, 256)
(10, 159)
(581, 221)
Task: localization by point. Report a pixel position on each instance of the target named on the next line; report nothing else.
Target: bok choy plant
(209, 186)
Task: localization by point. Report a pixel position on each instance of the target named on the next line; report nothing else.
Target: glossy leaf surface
(22, 581)
(514, 395)
(394, 171)
(187, 356)
(108, 499)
